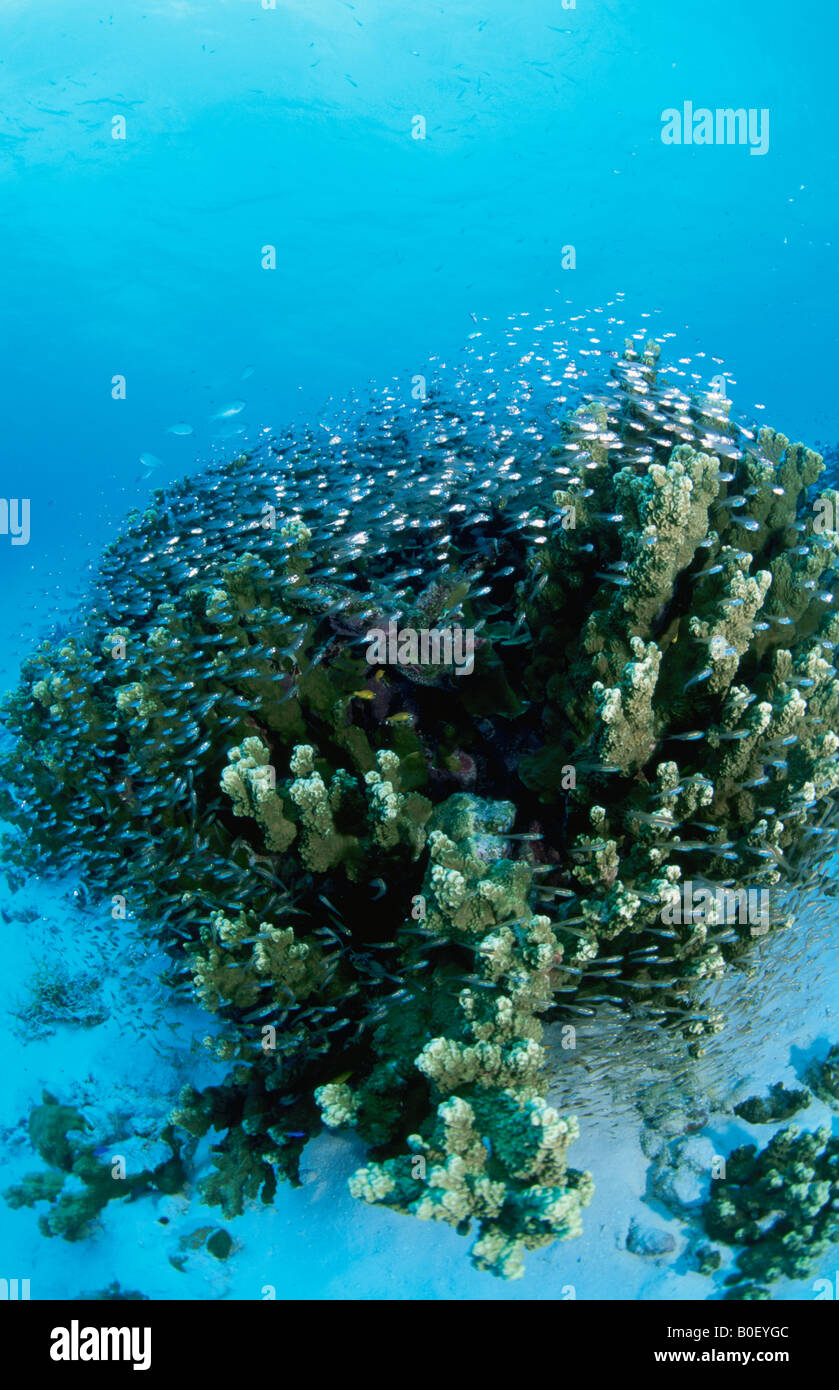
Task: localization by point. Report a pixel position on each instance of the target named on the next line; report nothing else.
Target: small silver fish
(228, 411)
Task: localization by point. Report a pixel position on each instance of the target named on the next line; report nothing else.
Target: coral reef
(823, 1078)
(494, 1151)
(381, 875)
(697, 682)
(775, 1207)
(780, 1104)
(78, 1181)
(780, 1203)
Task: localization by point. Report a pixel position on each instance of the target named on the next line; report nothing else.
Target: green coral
(695, 691)
(77, 1185)
(823, 1078)
(781, 1204)
(385, 815)
(236, 961)
(491, 1149)
(501, 1165)
(250, 782)
(780, 1104)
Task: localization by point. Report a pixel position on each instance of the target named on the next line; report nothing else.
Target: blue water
(291, 127)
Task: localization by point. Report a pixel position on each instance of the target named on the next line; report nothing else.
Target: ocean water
(227, 219)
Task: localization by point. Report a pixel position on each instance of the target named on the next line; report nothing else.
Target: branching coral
(491, 1150)
(696, 689)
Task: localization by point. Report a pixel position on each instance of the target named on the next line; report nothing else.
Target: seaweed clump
(406, 738)
(57, 996)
